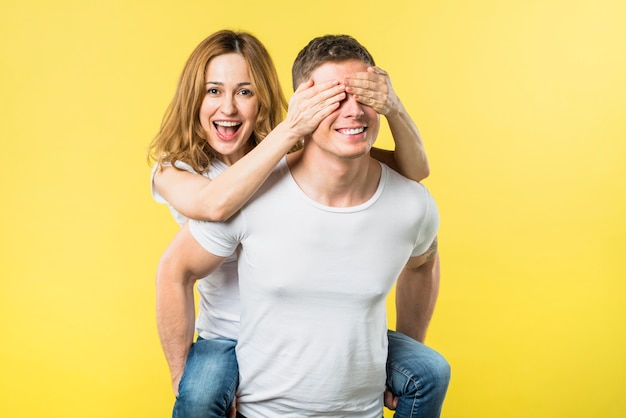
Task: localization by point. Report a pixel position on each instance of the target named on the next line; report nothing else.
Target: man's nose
(351, 107)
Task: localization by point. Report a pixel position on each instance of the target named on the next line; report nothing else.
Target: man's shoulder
(406, 193)
(274, 184)
(398, 180)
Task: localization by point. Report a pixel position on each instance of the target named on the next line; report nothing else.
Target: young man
(322, 243)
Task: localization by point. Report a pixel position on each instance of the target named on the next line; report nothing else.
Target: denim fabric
(210, 379)
(417, 375)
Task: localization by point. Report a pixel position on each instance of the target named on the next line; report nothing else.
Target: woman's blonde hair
(181, 137)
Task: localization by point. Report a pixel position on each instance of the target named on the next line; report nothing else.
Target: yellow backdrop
(522, 108)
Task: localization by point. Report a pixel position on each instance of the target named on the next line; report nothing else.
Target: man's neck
(332, 181)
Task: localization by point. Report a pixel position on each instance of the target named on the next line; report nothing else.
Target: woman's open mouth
(227, 130)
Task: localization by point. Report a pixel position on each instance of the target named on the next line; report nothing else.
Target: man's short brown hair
(327, 48)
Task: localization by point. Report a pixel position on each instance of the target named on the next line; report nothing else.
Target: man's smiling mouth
(351, 131)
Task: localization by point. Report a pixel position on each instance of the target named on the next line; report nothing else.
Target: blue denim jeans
(210, 379)
(417, 375)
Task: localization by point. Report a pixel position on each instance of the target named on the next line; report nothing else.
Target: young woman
(220, 138)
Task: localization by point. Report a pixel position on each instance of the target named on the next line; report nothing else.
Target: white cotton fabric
(313, 284)
(218, 315)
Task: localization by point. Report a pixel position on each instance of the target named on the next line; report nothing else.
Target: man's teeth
(352, 131)
(227, 124)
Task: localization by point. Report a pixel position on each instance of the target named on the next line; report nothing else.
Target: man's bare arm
(183, 262)
(417, 289)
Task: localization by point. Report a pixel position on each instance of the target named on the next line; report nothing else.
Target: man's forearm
(175, 323)
(183, 262)
(416, 295)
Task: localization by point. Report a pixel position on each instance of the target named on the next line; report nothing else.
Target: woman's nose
(228, 106)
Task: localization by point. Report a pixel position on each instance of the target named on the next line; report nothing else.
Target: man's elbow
(170, 271)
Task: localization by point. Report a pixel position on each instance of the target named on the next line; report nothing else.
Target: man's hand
(391, 401)
(233, 410)
(176, 382)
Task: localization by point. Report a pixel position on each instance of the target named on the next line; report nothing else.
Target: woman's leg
(209, 382)
(417, 375)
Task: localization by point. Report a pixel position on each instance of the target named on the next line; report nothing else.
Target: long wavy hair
(181, 137)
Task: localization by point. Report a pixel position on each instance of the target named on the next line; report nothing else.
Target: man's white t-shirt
(313, 282)
(218, 315)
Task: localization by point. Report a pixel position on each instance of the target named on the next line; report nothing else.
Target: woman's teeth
(226, 124)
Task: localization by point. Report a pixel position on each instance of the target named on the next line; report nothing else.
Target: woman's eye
(245, 92)
(213, 91)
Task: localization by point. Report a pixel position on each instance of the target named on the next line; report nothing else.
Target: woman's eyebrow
(219, 83)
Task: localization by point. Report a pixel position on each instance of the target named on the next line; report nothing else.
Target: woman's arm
(373, 88)
(197, 197)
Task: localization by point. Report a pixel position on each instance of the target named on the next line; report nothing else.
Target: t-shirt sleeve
(218, 238)
(158, 197)
(430, 225)
(155, 194)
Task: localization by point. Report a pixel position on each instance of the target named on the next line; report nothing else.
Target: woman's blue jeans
(417, 374)
(210, 379)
